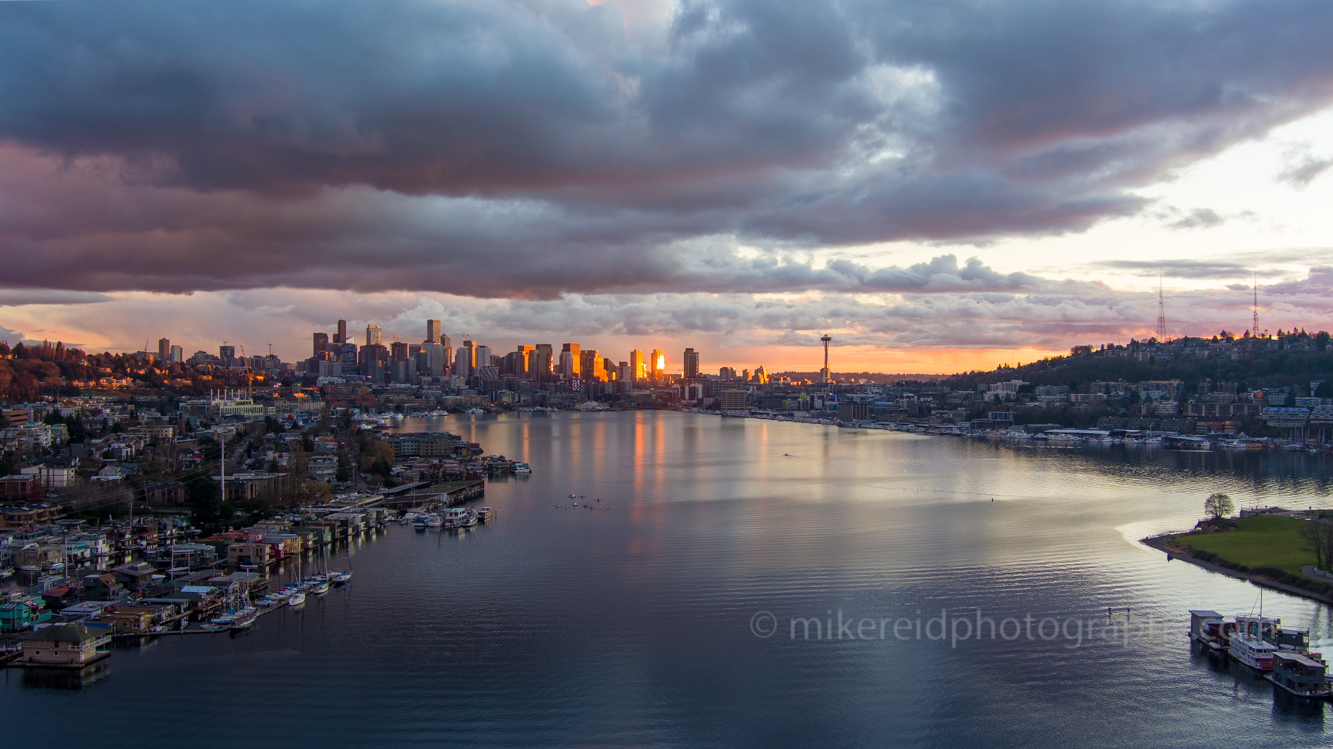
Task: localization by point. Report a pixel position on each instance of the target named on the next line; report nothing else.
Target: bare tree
(1218, 506)
(1318, 537)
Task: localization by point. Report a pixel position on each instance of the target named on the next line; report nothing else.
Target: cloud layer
(536, 149)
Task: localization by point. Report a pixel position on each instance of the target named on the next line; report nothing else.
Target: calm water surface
(634, 622)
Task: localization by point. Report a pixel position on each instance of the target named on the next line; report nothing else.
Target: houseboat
(1254, 652)
(485, 514)
(1210, 630)
(1302, 674)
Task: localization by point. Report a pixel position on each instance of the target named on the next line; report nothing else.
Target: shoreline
(1166, 543)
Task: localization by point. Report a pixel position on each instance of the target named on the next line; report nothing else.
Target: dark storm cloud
(531, 149)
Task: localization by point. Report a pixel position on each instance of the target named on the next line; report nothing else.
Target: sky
(939, 185)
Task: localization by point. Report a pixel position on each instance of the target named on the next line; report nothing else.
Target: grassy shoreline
(1265, 549)
(1260, 541)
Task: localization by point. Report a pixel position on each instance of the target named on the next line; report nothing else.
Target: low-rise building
(65, 645)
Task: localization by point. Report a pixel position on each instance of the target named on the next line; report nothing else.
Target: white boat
(320, 587)
(434, 521)
(469, 520)
(296, 599)
(453, 517)
(340, 578)
(521, 468)
(1252, 651)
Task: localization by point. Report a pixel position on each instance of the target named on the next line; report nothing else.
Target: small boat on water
(296, 599)
(421, 522)
(340, 578)
(521, 468)
(485, 514)
(320, 587)
(434, 521)
(469, 519)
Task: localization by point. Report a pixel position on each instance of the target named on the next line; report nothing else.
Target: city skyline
(682, 181)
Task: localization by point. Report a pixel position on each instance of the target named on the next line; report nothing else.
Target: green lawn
(1264, 541)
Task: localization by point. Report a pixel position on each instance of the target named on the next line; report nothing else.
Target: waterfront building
(65, 645)
(732, 400)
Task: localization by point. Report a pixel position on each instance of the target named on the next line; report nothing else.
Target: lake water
(663, 615)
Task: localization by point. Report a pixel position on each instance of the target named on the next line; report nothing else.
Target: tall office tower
(567, 368)
(573, 350)
(374, 361)
(435, 360)
(727, 373)
(545, 361)
(447, 344)
(691, 363)
(373, 334)
(341, 336)
(163, 350)
(321, 344)
(226, 354)
(636, 366)
(608, 368)
(398, 350)
(462, 366)
(469, 350)
(590, 365)
(177, 355)
(348, 355)
(481, 356)
(432, 331)
(656, 365)
(624, 375)
(522, 361)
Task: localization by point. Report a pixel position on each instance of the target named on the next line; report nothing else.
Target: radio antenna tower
(826, 340)
(1161, 310)
(1254, 331)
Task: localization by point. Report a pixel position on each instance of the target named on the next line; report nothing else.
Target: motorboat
(296, 599)
(485, 514)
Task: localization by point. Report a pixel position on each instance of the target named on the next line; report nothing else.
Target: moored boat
(1252, 651)
(1302, 674)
